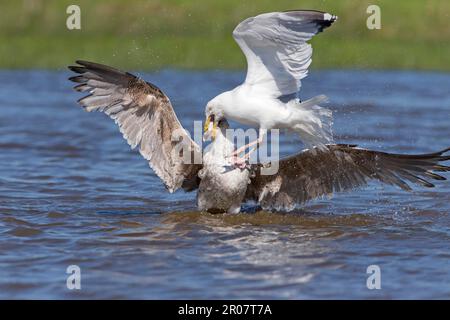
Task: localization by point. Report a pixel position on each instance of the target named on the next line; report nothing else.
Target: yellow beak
(207, 122)
(209, 128)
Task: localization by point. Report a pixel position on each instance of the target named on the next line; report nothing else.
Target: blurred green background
(153, 34)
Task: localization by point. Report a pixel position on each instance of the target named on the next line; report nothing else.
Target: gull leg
(243, 148)
(261, 134)
(248, 154)
(240, 162)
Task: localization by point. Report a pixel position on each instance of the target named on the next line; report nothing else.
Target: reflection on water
(71, 192)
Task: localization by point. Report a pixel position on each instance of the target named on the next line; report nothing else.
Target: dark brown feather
(316, 173)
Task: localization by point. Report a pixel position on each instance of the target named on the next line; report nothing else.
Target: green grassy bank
(153, 34)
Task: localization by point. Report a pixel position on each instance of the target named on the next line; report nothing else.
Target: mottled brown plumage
(315, 173)
(145, 117)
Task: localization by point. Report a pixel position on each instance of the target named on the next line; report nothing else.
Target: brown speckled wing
(314, 173)
(145, 118)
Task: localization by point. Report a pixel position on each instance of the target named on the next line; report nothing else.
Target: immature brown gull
(147, 120)
(278, 56)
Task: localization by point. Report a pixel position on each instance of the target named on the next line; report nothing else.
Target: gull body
(251, 108)
(244, 106)
(217, 172)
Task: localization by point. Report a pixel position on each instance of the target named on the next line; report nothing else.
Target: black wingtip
(97, 66)
(78, 79)
(331, 17)
(435, 176)
(86, 63)
(345, 145)
(445, 151)
(77, 69)
(324, 19)
(424, 182)
(80, 101)
(441, 168)
(328, 20)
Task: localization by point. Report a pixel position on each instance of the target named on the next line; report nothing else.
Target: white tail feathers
(314, 101)
(312, 122)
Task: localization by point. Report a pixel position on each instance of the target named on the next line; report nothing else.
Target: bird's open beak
(210, 128)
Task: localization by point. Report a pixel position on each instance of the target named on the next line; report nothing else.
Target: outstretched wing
(275, 46)
(145, 118)
(315, 173)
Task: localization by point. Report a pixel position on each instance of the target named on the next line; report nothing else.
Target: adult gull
(278, 56)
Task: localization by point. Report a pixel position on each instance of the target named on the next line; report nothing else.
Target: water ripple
(71, 192)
